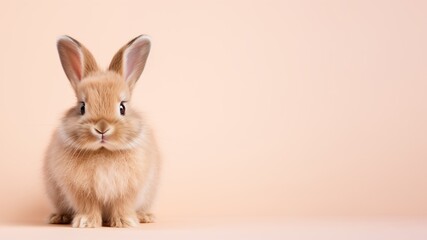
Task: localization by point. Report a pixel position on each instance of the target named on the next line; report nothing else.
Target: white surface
(234, 228)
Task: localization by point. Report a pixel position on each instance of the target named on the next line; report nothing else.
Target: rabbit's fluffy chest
(106, 177)
(110, 182)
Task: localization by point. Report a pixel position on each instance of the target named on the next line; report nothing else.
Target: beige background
(284, 108)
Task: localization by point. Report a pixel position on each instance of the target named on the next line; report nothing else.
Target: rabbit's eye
(82, 108)
(122, 109)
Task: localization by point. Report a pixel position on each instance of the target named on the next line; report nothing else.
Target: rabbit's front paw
(87, 221)
(123, 221)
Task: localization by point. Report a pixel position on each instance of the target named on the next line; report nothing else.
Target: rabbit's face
(102, 117)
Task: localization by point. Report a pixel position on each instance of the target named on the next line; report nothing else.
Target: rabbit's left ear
(76, 60)
(130, 60)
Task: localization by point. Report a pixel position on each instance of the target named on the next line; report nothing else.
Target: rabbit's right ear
(130, 60)
(76, 60)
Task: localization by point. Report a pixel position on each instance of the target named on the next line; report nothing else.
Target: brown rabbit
(102, 164)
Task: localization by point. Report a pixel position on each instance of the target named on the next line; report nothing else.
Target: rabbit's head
(102, 116)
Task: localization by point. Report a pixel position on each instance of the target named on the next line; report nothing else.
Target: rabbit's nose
(102, 127)
(101, 132)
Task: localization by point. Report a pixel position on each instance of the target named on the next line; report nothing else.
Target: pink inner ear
(72, 53)
(135, 57)
(76, 64)
(131, 62)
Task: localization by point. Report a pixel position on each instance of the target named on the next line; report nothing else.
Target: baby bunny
(102, 164)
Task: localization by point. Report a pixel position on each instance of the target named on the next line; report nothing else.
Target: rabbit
(102, 165)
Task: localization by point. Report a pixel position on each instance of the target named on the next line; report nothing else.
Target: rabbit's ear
(76, 60)
(130, 60)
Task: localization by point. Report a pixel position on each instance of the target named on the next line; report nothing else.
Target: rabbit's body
(102, 165)
(105, 177)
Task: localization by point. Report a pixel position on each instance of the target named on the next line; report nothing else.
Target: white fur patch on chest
(110, 182)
